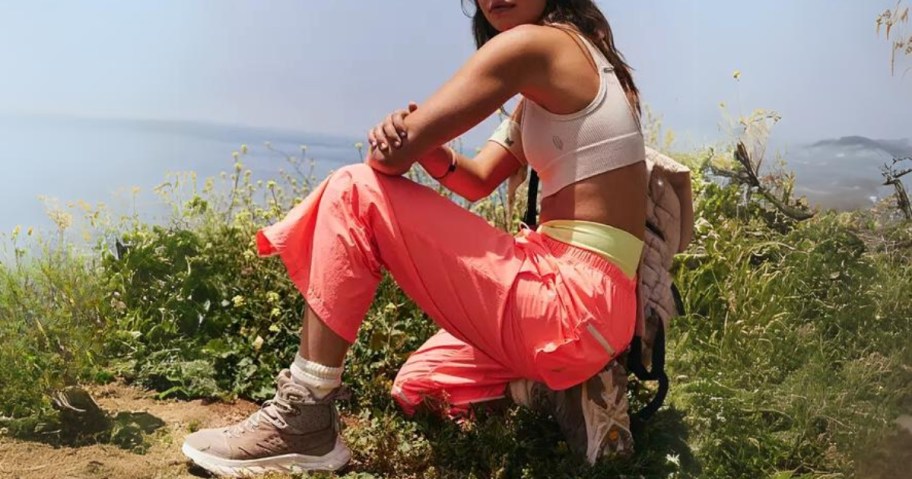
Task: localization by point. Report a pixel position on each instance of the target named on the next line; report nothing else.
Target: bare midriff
(616, 198)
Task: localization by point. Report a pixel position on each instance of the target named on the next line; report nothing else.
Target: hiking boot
(593, 415)
(293, 432)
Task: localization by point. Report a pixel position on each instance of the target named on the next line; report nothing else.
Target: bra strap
(597, 56)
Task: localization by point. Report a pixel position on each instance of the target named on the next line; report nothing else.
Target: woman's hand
(391, 132)
(386, 137)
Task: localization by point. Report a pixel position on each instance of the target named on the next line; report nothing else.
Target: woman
(535, 317)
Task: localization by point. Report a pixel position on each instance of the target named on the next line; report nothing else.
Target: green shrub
(795, 350)
(792, 361)
(51, 313)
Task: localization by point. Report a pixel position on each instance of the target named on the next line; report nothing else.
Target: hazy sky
(338, 66)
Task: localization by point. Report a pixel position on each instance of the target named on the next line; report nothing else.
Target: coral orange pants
(511, 307)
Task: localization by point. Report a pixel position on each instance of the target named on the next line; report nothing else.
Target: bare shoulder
(526, 40)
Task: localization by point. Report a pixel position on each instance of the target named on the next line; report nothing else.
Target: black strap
(531, 218)
(679, 302)
(655, 230)
(635, 365)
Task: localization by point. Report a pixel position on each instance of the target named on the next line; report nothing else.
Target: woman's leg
(319, 343)
(536, 309)
(449, 376)
(452, 263)
(548, 311)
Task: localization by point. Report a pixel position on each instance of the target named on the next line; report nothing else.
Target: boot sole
(287, 463)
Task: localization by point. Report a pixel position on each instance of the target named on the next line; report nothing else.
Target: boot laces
(288, 401)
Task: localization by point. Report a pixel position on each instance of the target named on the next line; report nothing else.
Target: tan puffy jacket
(670, 220)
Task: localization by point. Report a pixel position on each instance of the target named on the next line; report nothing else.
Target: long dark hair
(584, 16)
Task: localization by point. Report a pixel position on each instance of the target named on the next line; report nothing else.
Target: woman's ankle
(318, 378)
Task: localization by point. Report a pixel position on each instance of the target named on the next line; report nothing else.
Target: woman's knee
(352, 186)
(356, 175)
(405, 392)
(356, 170)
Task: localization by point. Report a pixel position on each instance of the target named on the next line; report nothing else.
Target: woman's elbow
(477, 193)
(389, 168)
(472, 197)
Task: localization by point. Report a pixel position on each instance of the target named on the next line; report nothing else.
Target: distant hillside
(844, 173)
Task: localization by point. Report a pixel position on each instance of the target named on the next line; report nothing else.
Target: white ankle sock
(317, 378)
(521, 392)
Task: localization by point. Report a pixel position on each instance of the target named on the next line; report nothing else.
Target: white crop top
(603, 136)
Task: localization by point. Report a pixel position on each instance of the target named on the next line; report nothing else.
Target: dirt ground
(30, 460)
(163, 460)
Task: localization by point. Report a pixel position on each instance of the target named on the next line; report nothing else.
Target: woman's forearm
(466, 180)
(392, 169)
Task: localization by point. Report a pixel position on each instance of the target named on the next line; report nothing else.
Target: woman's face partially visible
(506, 14)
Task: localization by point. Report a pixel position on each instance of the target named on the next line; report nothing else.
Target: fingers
(392, 131)
(371, 139)
(398, 123)
(379, 136)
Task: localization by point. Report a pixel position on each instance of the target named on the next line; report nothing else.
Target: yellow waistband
(614, 244)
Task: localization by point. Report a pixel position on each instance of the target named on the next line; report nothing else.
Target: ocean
(58, 160)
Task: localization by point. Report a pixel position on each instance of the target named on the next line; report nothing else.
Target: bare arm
(513, 62)
(475, 178)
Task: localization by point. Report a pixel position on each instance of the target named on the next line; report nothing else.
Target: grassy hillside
(793, 359)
